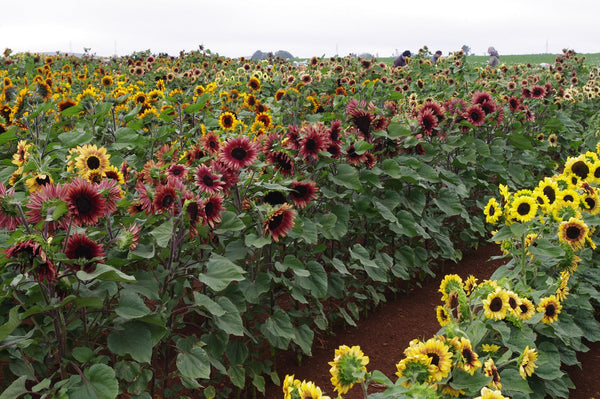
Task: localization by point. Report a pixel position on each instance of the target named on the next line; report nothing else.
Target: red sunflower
(302, 193)
(208, 181)
(177, 171)
(165, 198)
(84, 252)
(428, 121)
(282, 162)
(239, 153)
(210, 142)
(212, 209)
(475, 115)
(280, 222)
(30, 257)
(42, 204)
(314, 140)
(85, 202)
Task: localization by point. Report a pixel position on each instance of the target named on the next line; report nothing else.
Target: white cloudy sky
(305, 28)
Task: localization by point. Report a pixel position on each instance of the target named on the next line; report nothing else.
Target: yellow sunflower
(490, 370)
(36, 182)
(469, 359)
(526, 309)
(440, 354)
(348, 368)
(254, 84)
(91, 158)
(22, 154)
(549, 188)
(573, 232)
(308, 390)
(495, 306)
(591, 202)
(416, 367)
(523, 208)
(492, 211)
(450, 283)
(487, 393)
(568, 195)
(442, 316)
(578, 166)
(551, 308)
(227, 121)
(527, 362)
(470, 284)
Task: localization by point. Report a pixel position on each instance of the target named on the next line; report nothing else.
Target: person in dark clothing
(494, 57)
(436, 56)
(401, 60)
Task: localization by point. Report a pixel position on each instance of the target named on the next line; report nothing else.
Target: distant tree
(466, 49)
(259, 55)
(284, 54)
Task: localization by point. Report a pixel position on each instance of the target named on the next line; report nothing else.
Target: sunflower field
(169, 224)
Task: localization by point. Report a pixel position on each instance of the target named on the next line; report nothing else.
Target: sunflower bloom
(440, 354)
(496, 304)
(523, 208)
(527, 362)
(443, 316)
(487, 393)
(550, 307)
(348, 367)
(492, 211)
(573, 232)
(91, 158)
(526, 309)
(490, 370)
(280, 222)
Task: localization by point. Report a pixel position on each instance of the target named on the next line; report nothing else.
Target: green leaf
(548, 361)
(303, 337)
(163, 233)
(545, 248)
(231, 321)
(448, 202)
(520, 141)
(252, 240)
(237, 375)
(361, 147)
(100, 382)
(15, 389)
(230, 222)
(74, 110)
(373, 269)
(513, 382)
(82, 354)
(397, 130)
(134, 340)
(220, 271)
(193, 362)
(75, 137)
(205, 302)
(278, 329)
(8, 136)
(131, 306)
(14, 320)
(315, 279)
(106, 273)
(347, 176)
(428, 173)
(386, 213)
(472, 383)
(405, 225)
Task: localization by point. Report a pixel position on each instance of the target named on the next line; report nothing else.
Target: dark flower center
(275, 221)
(591, 203)
(238, 153)
(523, 308)
(192, 211)
(363, 123)
(93, 162)
(468, 355)
(299, 191)
(512, 303)
(568, 198)
(492, 210)
(523, 209)
(435, 359)
(549, 192)
(310, 144)
(274, 198)
(580, 169)
(83, 204)
(573, 232)
(550, 310)
(207, 180)
(496, 304)
(208, 209)
(84, 251)
(167, 200)
(42, 181)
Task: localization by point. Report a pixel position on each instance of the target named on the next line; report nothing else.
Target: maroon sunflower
(360, 117)
(427, 121)
(475, 115)
(210, 142)
(229, 177)
(302, 193)
(208, 181)
(238, 153)
(43, 203)
(313, 141)
(194, 209)
(353, 158)
(280, 222)
(165, 198)
(481, 97)
(111, 192)
(292, 140)
(84, 252)
(85, 202)
(30, 257)
(212, 209)
(514, 104)
(538, 92)
(9, 213)
(282, 162)
(177, 171)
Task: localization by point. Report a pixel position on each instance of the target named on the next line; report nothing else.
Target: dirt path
(385, 334)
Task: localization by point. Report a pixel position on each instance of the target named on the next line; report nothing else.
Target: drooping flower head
(85, 252)
(348, 367)
(527, 362)
(490, 370)
(280, 222)
(22, 155)
(302, 193)
(29, 257)
(213, 207)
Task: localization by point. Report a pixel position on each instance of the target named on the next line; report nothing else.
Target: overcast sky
(235, 28)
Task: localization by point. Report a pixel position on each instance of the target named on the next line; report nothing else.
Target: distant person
(436, 56)
(402, 59)
(494, 60)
